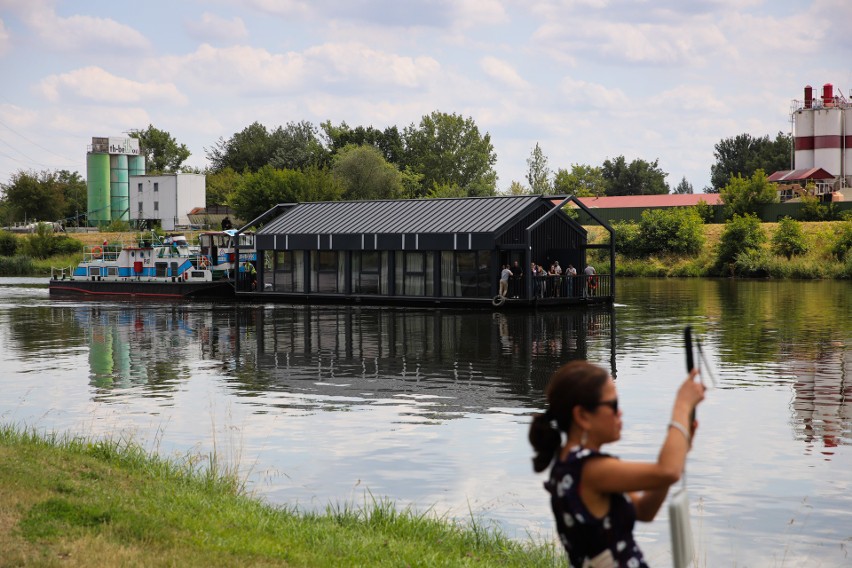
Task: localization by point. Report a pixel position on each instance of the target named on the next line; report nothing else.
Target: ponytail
(545, 439)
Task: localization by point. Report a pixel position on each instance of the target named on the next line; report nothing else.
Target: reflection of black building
(423, 252)
(468, 357)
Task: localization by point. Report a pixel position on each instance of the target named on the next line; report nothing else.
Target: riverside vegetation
(666, 242)
(68, 501)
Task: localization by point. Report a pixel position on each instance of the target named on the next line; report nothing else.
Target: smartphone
(690, 364)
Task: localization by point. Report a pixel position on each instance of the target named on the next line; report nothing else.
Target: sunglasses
(613, 404)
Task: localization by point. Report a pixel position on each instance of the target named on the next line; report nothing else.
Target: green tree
(538, 174)
(365, 174)
(677, 230)
(162, 152)
(257, 192)
(743, 155)
(683, 187)
(35, 196)
(250, 149)
(74, 189)
(581, 181)
(517, 188)
(742, 233)
(298, 146)
(636, 178)
(446, 190)
(448, 150)
(746, 195)
(388, 141)
(220, 185)
(789, 239)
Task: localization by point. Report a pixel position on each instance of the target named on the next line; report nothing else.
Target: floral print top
(591, 542)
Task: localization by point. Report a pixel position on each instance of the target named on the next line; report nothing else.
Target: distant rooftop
(641, 201)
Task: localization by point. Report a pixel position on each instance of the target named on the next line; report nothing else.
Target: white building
(166, 199)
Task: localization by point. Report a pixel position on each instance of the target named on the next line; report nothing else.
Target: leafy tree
(683, 187)
(789, 239)
(388, 141)
(220, 185)
(448, 150)
(297, 147)
(815, 210)
(743, 155)
(636, 178)
(446, 190)
(581, 181)
(517, 188)
(250, 149)
(257, 192)
(675, 230)
(705, 211)
(741, 233)
(162, 152)
(746, 195)
(627, 240)
(8, 243)
(35, 196)
(366, 174)
(842, 243)
(538, 174)
(73, 187)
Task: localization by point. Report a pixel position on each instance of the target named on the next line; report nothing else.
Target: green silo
(97, 182)
(136, 165)
(119, 192)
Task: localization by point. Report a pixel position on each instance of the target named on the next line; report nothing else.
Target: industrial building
(822, 140)
(166, 199)
(109, 164)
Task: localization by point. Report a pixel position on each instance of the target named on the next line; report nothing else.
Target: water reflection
(474, 359)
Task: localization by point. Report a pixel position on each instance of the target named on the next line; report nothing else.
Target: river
(330, 405)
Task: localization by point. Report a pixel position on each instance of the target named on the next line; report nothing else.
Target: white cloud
(579, 94)
(75, 32)
(94, 84)
(255, 71)
(214, 27)
(503, 72)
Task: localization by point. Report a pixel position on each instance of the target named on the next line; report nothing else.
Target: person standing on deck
(504, 280)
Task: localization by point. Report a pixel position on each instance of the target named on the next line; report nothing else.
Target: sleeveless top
(591, 541)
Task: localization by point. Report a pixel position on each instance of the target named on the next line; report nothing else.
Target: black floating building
(427, 252)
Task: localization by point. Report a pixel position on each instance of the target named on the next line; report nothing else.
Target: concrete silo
(108, 166)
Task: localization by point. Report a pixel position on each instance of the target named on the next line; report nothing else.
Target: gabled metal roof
(800, 175)
(457, 215)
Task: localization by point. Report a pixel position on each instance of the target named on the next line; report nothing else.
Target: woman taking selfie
(596, 498)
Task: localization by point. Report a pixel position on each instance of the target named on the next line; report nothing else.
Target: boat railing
(61, 273)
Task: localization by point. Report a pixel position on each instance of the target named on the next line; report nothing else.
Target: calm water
(324, 405)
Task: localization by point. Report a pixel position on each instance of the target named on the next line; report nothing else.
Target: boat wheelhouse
(447, 252)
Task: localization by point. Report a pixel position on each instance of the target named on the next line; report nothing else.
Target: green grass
(67, 501)
(817, 263)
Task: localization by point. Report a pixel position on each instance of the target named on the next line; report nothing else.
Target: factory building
(822, 137)
(109, 164)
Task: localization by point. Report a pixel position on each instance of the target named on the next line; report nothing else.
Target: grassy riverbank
(817, 263)
(75, 502)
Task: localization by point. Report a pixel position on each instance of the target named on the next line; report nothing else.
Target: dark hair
(578, 383)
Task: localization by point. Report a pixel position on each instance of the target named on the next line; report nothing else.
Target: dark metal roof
(461, 215)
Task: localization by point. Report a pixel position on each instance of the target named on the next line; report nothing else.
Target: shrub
(814, 210)
(741, 233)
(706, 211)
(842, 241)
(118, 226)
(44, 243)
(753, 263)
(627, 239)
(677, 230)
(789, 239)
(16, 266)
(8, 243)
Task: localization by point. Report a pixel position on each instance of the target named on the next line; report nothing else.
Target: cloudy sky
(586, 79)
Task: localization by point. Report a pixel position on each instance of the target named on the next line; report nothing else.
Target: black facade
(423, 252)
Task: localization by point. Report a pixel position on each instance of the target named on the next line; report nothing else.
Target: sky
(587, 80)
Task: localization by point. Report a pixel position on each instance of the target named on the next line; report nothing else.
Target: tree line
(444, 155)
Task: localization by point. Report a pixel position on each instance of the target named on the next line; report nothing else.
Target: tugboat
(160, 268)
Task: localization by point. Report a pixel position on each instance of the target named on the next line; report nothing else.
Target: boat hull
(142, 289)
